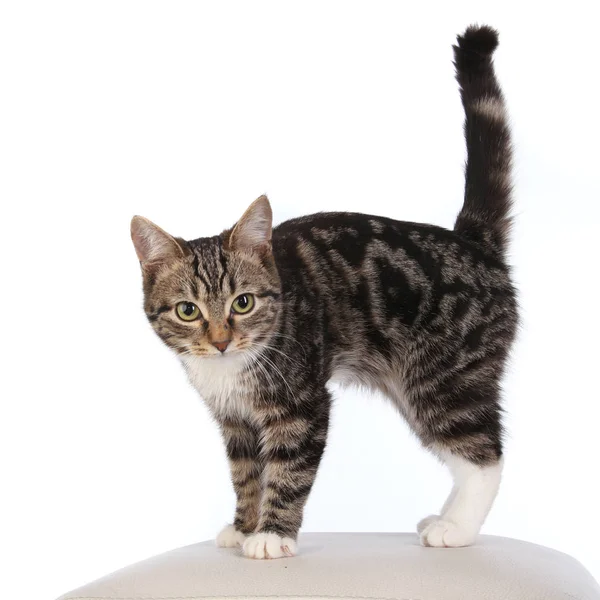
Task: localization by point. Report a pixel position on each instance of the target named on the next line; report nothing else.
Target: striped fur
(424, 315)
(485, 216)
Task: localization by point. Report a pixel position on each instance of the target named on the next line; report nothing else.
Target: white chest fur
(220, 382)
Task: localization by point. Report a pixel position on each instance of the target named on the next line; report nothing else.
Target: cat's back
(359, 226)
(358, 240)
(394, 271)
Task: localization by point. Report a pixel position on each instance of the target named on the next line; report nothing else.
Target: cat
(263, 318)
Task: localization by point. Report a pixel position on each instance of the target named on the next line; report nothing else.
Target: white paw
(424, 523)
(446, 534)
(269, 545)
(230, 537)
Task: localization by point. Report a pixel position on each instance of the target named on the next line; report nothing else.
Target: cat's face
(216, 297)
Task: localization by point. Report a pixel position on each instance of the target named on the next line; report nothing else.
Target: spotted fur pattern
(422, 314)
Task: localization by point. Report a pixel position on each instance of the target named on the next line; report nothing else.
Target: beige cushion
(354, 565)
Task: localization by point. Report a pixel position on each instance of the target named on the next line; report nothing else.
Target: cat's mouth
(208, 352)
(220, 355)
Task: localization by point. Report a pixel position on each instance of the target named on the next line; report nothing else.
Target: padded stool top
(374, 566)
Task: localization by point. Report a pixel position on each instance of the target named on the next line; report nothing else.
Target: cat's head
(211, 297)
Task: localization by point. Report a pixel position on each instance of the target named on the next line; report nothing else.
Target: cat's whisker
(288, 337)
(273, 349)
(256, 355)
(278, 372)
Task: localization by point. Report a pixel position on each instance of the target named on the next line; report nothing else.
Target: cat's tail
(485, 216)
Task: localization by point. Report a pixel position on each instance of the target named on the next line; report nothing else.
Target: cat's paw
(424, 523)
(269, 545)
(230, 537)
(441, 533)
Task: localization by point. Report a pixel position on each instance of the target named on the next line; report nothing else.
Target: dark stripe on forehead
(211, 266)
(221, 278)
(199, 275)
(210, 263)
(194, 287)
(223, 264)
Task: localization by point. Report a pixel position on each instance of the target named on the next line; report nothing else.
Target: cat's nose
(221, 346)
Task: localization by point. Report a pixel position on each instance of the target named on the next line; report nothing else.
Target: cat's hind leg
(474, 491)
(459, 419)
(424, 523)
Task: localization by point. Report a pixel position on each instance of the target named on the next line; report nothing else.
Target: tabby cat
(262, 319)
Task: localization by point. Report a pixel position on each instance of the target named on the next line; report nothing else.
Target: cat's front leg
(292, 445)
(241, 442)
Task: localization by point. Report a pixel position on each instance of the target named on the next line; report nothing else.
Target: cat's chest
(223, 383)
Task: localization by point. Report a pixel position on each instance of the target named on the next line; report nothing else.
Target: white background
(185, 112)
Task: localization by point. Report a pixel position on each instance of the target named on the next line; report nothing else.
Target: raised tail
(485, 216)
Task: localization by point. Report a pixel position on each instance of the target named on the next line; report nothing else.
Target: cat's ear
(152, 244)
(253, 230)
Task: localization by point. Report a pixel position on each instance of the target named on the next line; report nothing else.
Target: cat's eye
(187, 311)
(243, 304)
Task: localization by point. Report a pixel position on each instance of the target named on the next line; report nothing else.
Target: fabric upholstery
(381, 566)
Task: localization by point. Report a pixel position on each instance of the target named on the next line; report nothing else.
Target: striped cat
(262, 319)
